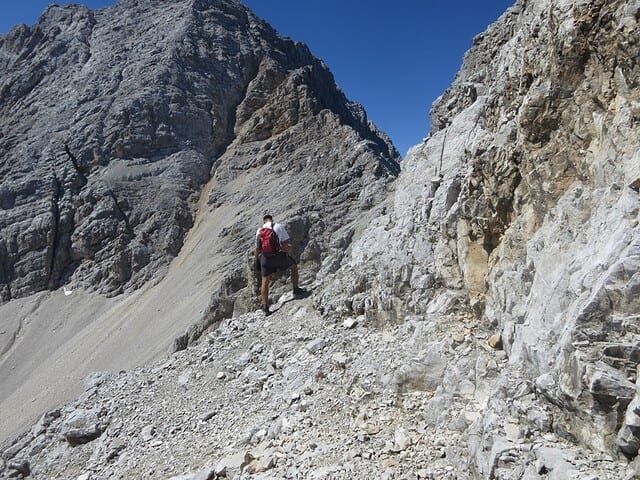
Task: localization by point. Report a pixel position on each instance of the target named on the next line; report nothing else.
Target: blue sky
(393, 56)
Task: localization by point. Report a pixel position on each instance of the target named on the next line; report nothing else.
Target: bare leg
(264, 290)
(294, 275)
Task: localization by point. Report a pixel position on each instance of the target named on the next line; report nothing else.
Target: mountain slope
(110, 174)
(124, 130)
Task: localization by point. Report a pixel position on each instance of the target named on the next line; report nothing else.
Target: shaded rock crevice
(55, 231)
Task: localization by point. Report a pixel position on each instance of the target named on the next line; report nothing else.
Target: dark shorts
(275, 262)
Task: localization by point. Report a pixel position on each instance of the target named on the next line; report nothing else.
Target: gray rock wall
(524, 200)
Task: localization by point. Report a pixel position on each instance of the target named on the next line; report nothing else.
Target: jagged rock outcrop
(523, 205)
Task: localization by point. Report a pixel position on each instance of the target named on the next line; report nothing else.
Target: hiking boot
(265, 309)
(298, 292)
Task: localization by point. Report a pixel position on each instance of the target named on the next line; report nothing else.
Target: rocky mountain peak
(144, 96)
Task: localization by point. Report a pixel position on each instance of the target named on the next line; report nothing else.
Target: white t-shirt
(283, 236)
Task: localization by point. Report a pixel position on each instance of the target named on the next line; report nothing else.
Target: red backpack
(269, 242)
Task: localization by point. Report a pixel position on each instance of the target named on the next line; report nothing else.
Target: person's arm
(286, 247)
(285, 241)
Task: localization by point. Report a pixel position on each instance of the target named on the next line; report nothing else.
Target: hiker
(273, 250)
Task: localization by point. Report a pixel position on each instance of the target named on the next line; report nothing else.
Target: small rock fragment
(147, 433)
(340, 359)
(316, 345)
(390, 463)
(350, 323)
(495, 341)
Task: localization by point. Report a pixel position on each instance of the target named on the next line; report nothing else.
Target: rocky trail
(294, 395)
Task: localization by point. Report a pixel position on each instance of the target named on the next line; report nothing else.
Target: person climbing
(273, 250)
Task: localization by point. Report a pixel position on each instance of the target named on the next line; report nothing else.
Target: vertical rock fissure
(5, 295)
(120, 212)
(55, 212)
(73, 159)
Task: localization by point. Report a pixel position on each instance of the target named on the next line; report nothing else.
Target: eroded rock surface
(524, 200)
(112, 121)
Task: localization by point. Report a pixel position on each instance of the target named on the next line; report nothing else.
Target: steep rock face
(112, 120)
(522, 206)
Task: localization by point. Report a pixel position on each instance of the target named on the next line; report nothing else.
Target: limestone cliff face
(112, 121)
(523, 205)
